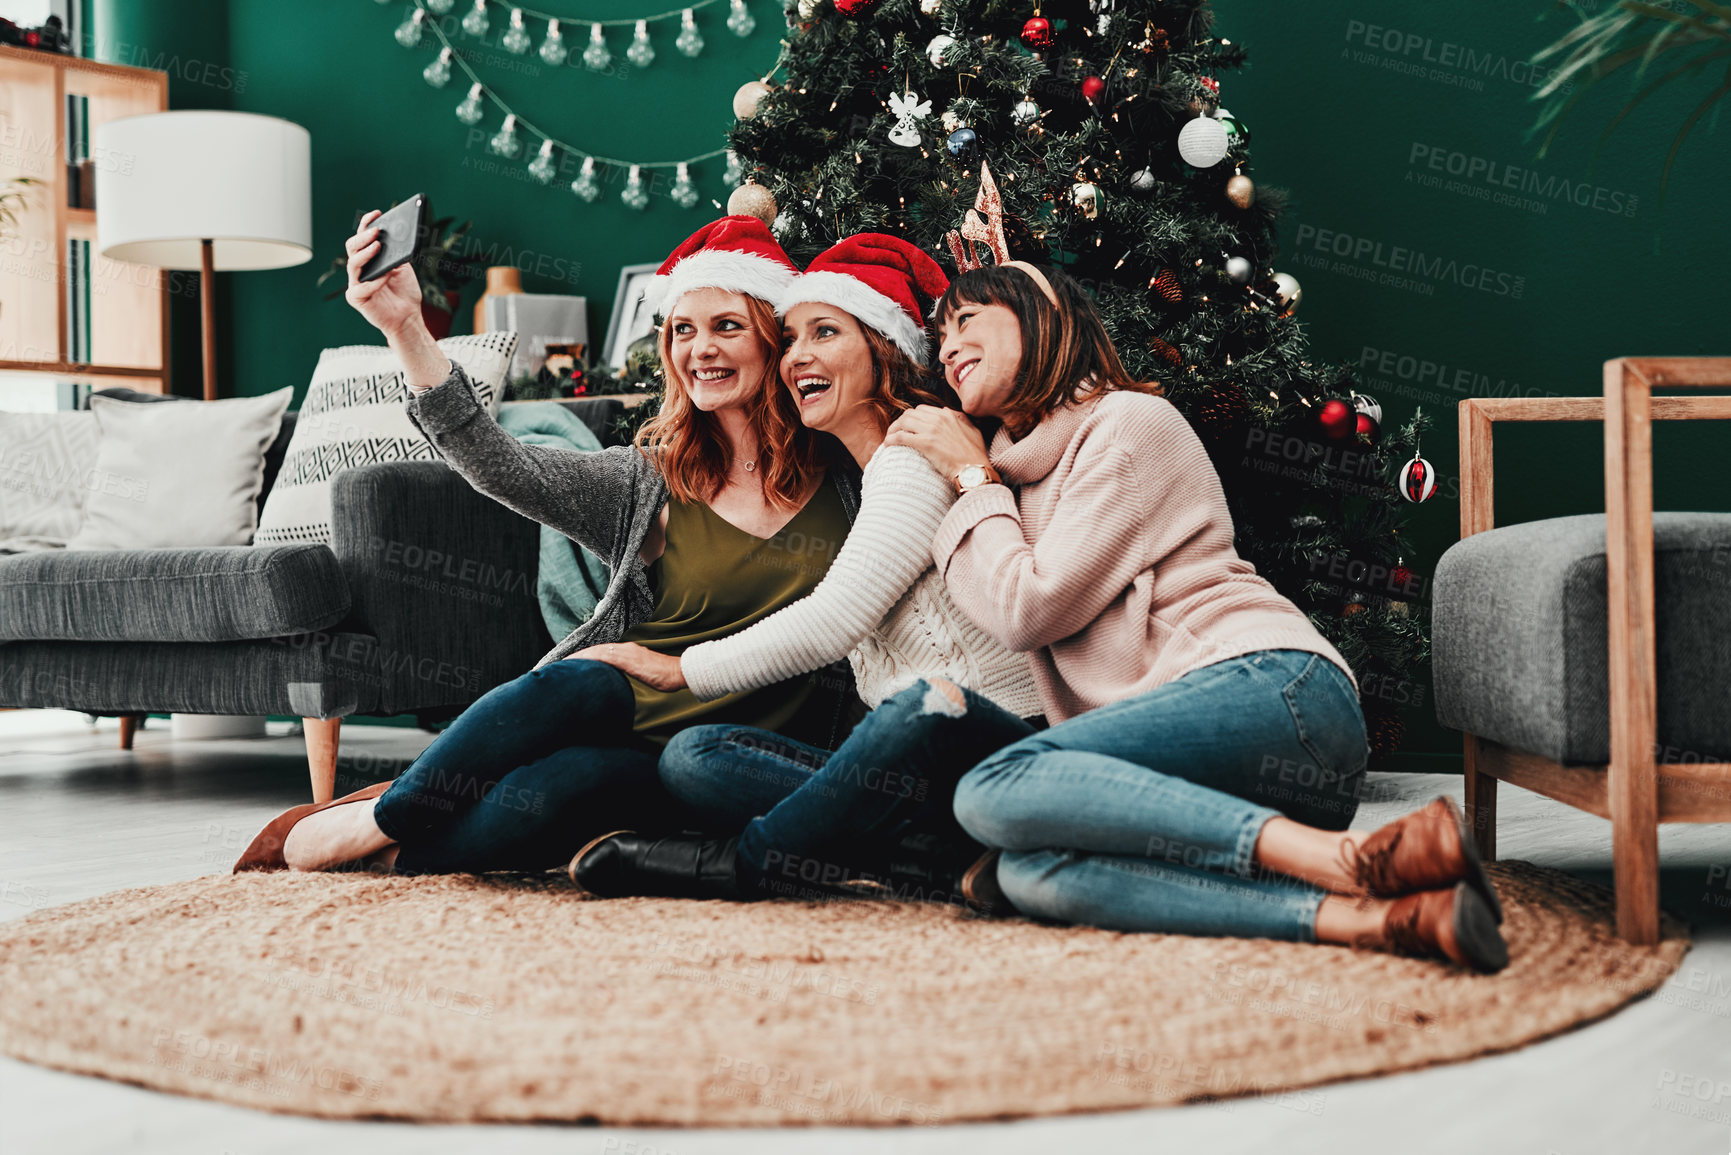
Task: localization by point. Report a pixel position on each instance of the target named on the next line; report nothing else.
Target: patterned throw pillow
(45, 464)
(353, 415)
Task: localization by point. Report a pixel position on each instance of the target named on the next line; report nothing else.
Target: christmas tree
(1100, 126)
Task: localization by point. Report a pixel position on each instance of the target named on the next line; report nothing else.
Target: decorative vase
(501, 280)
(439, 320)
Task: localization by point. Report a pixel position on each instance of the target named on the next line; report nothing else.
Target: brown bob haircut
(693, 455)
(1063, 347)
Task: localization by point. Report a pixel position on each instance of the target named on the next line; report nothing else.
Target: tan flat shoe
(265, 853)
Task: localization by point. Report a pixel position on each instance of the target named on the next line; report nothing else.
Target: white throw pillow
(178, 474)
(45, 463)
(352, 415)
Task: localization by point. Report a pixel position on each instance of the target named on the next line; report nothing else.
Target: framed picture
(631, 318)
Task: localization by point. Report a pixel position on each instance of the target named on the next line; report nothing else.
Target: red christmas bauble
(1417, 480)
(1337, 419)
(1401, 577)
(1093, 88)
(1037, 32)
(855, 9)
(1366, 426)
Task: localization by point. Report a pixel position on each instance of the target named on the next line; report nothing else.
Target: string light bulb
(470, 110)
(740, 21)
(635, 196)
(409, 31)
(516, 38)
(475, 20)
(586, 186)
(684, 192)
(553, 50)
(641, 53)
(505, 142)
(438, 73)
(597, 55)
(542, 167)
(690, 40)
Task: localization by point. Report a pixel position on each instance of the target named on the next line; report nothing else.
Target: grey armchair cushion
(1519, 637)
(210, 594)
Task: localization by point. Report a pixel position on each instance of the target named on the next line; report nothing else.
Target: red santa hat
(736, 253)
(883, 281)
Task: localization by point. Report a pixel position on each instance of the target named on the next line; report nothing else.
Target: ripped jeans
(1143, 815)
(815, 819)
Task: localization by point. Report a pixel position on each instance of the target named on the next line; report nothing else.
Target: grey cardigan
(605, 501)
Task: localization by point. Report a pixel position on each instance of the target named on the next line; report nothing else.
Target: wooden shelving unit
(129, 342)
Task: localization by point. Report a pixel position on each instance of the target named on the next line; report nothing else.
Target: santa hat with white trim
(883, 281)
(736, 253)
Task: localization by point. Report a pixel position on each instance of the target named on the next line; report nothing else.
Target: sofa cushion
(353, 415)
(1519, 637)
(178, 474)
(214, 594)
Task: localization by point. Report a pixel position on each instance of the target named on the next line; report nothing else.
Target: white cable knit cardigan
(882, 605)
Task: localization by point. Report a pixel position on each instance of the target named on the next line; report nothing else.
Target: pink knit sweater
(1115, 566)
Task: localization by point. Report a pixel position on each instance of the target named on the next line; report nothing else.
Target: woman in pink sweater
(1206, 747)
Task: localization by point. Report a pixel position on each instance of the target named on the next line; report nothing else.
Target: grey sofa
(1588, 658)
(423, 601)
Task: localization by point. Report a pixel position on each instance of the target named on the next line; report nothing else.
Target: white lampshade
(168, 180)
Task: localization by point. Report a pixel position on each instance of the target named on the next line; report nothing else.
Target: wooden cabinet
(127, 303)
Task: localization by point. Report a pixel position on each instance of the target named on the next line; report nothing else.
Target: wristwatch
(974, 476)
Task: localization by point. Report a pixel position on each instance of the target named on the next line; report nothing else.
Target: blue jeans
(526, 775)
(1143, 815)
(814, 819)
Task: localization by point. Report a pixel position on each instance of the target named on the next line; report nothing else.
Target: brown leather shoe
(1455, 924)
(265, 853)
(980, 886)
(1427, 849)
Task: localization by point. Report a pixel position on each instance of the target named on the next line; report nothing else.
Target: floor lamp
(204, 190)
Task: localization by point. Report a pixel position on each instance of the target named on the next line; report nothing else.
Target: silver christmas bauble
(1286, 286)
(746, 100)
(1026, 111)
(1143, 180)
(1086, 198)
(941, 43)
(929, 7)
(1202, 142)
(1238, 270)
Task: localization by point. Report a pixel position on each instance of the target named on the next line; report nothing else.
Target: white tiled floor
(79, 817)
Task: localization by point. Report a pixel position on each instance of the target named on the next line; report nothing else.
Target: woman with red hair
(692, 521)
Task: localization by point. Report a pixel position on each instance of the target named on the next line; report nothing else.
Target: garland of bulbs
(596, 56)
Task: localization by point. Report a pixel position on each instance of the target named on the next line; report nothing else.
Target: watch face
(971, 476)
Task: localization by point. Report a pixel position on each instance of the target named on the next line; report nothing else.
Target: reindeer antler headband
(988, 229)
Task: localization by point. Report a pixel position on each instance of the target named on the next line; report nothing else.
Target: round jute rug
(501, 998)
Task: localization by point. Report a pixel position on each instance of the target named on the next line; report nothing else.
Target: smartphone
(401, 230)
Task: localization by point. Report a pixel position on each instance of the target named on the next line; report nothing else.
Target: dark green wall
(1351, 131)
(1347, 126)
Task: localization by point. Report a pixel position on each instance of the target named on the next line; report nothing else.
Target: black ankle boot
(626, 863)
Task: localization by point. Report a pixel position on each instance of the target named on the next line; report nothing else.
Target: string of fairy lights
(597, 55)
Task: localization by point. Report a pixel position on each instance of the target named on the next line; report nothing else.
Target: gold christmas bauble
(752, 200)
(746, 100)
(1241, 191)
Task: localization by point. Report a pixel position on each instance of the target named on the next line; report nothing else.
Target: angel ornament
(908, 109)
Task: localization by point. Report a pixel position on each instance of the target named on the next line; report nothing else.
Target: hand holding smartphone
(382, 284)
(400, 233)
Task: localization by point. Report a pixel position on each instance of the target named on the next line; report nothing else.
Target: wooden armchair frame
(1635, 791)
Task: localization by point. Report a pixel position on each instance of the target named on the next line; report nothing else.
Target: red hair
(687, 443)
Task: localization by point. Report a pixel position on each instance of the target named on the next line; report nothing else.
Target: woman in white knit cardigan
(943, 693)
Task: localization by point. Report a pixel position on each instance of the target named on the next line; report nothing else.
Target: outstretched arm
(587, 496)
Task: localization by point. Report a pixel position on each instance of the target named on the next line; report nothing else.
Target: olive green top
(714, 579)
